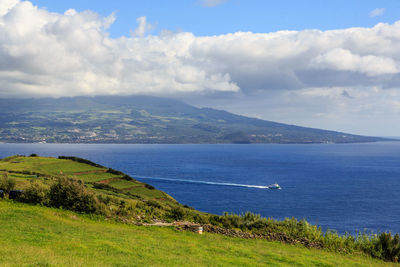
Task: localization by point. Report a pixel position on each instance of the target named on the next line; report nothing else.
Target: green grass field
(87, 173)
(40, 236)
(45, 165)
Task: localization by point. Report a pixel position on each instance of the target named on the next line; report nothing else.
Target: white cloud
(108, 21)
(6, 5)
(51, 54)
(377, 12)
(143, 27)
(212, 3)
(344, 60)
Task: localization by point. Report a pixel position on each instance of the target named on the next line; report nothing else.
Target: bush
(201, 219)
(33, 155)
(177, 213)
(149, 186)
(154, 203)
(72, 194)
(388, 247)
(6, 184)
(104, 199)
(36, 193)
(127, 177)
(110, 170)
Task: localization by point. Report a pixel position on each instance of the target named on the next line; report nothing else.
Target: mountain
(145, 119)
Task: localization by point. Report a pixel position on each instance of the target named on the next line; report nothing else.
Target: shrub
(110, 170)
(6, 184)
(33, 155)
(366, 242)
(149, 186)
(215, 220)
(177, 213)
(200, 219)
(104, 199)
(154, 203)
(72, 194)
(127, 177)
(388, 247)
(36, 193)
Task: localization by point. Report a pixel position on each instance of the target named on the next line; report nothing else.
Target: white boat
(274, 186)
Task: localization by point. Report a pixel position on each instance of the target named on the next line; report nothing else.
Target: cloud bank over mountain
(306, 77)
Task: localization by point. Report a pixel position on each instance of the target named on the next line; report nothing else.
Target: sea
(342, 187)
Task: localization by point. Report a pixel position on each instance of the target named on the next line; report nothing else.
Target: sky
(323, 64)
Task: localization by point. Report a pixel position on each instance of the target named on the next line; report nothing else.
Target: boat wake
(203, 182)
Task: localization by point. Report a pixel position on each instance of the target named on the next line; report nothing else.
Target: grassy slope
(84, 172)
(39, 236)
(45, 236)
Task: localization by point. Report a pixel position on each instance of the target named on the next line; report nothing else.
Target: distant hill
(145, 119)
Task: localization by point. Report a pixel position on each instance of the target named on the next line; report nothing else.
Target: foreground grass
(39, 236)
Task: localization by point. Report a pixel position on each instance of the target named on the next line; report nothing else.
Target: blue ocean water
(346, 187)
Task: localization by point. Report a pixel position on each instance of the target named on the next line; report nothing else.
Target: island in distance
(144, 120)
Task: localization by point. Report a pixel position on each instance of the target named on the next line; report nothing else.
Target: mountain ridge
(146, 119)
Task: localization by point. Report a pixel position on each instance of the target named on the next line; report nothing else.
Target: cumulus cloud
(52, 54)
(143, 27)
(212, 3)
(377, 12)
(6, 5)
(345, 60)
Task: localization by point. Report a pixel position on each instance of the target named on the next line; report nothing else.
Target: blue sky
(337, 68)
(235, 15)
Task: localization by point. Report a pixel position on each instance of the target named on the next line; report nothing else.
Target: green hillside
(39, 236)
(23, 169)
(144, 119)
(116, 217)
(108, 192)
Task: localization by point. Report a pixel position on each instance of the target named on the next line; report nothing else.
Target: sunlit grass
(87, 173)
(33, 235)
(121, 184)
